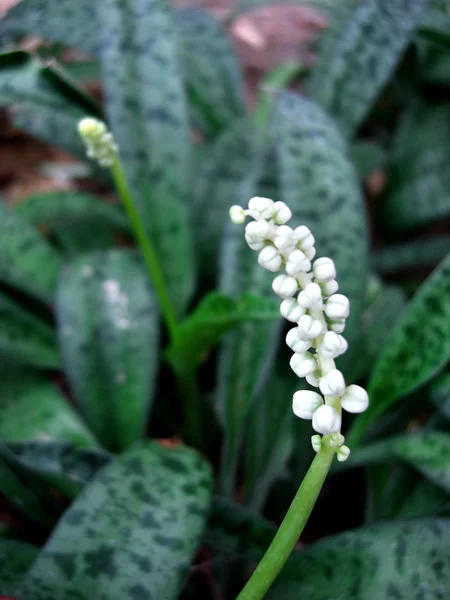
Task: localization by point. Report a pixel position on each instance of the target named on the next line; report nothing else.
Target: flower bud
(297, 263)
(355, 399)
(305, 402)
(332, 384)
(283, 237)
(291, 310)
(303, 364)
(337, 439)
(284, 286)
(329, 287)
(99, 142)
(303, 237)
(262, 206)
(310, 253)
(237, 214)
(337, 307)
(310, 296)
(333, 345)
(309, 327)
(316, 442)
(282, 213)
(295, 342)
(326, 420)
(256, 233)
(270, 259)
(324, 269)
(343, 453)
(313, 379)
(337, 325)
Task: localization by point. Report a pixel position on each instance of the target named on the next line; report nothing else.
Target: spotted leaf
(15, 560)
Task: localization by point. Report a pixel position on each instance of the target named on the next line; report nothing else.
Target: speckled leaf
(359, 54)
(269, 442)
(419, 182)
(319, 184)
(15, 560)
(423, 252)
(429, 453)
(27, 261)
(400, 560)
(48, 414)
(440, 394)
(109, 337)
(147, 110)
(44, 103)
(211, 69)
(234, 529)
(223, 180)
(64, 466)
(21, 344)
(245, 5)
(133, 531)
(401, 368)
(64, 208)
(209, 322)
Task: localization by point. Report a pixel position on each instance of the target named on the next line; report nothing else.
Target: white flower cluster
(100, 144)
(310, 301)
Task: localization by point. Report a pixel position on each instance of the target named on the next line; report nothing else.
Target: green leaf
(245, 5)
(211, 69)
(367, 157)
(17, 309)
(419, 183)
(358, 55)
(133, 531)
(62, 465)
(440, 394)
(26, 260)
(423, 252)
(428, 453)
(425, 499)
(401, 366)
(402, 560)
(31, 408)
(225, 178)
(234, 529)
(319, 184)
(147, 110)
(109, 336)
(15, 560)
(269, 442)
(60, 209)
(23, 345)
(45, 102)
(246, 356)
(213, 317)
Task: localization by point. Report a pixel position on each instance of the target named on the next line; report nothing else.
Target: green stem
(291, 528)
(146, 246)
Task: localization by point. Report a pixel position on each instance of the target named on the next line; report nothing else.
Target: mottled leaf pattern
(48, 414)
(108, 329)
(214, 316)
(319, 184)
(211, 69)
(359, 54)
(133, 531)
(399, 561)
(429, 453)
(26, 260)
(15, 560)
(425, 325)
(146, 107)
(423, 252)
(63, 465)
(419, 182)
(25, 345)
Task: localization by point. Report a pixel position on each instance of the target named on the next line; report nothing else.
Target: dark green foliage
(424, 252)
(15, 560)
(358, 55)
(109, 337)
(133, 531)
(402, 560)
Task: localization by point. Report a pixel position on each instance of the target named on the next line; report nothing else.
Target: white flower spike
(99, 142)
(318, 311)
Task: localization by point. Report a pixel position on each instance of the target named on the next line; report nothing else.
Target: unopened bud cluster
(308, 288)
(99, 142)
